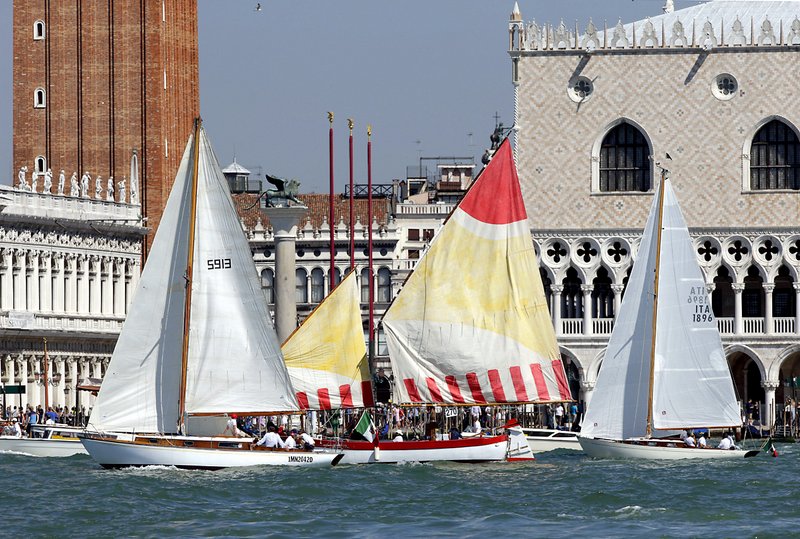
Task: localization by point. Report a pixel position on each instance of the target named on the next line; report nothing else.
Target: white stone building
(715, 87)
(68, 268)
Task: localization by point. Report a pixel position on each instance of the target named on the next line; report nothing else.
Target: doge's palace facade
(68, 268)
(709, 92)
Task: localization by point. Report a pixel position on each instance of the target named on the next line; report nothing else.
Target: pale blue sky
(431, 71)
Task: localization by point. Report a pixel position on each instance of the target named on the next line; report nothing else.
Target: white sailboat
(664, 370)
(197, 345)
(45, 441)
(471, 325)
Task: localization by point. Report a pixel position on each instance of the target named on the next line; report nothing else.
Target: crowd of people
(19, 421)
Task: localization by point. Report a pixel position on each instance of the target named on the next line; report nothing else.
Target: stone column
(119, 287)
(57, 271)
(94, 264)
(768, 324)
(22, 366)
(34, 387)
(768, 406)
(617, 289)
(59, 395)
(32, 282)
(83, 284)
(6, 280)
(738, 327)
(70, 283)
(284, 223)
(556, 290)
(587, 308)
(796, 307)
(19, 280)
(46, 278)
(72, 364)
(107, 307)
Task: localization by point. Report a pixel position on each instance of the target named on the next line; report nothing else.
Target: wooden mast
(187, 309)
(655, 303)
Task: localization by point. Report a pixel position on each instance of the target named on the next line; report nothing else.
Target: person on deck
(559, 415)
(16, 430)
(383, 387)
(398, 437)
(701, 441)
(689, 440)
(271, 439)
(454, 434)
(290, 440)
(307, 441)
(231, 428)
(726, 442)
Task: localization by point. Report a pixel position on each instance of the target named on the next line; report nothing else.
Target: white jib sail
(618, 407)
(692, 383)
(235, 361)
(141, 387)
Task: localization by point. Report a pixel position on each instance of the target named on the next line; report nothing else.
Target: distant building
(712, 86)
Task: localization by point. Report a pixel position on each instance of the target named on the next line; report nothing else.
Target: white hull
(425, 451)
(121, 454)
(42, 447)
(543, 440)
(612, 449)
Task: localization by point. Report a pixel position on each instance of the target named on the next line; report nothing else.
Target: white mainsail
(326, 356)
(692, 386)
(234, 361)
(471, 324)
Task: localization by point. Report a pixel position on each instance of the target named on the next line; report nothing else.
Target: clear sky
(429, 75)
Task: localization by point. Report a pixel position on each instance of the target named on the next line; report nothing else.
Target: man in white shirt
(559, 415)
(307, 441)
(290, 443)
(726, 443)
(689, 440)
(271, 439)
(701, 441)
(16, 428)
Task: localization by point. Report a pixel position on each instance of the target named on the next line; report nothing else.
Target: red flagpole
(332, 272)
(352, 222)
(370, 351)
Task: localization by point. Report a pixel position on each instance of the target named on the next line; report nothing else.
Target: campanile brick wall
(119, 75)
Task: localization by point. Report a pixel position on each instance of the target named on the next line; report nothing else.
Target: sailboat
(471, 325)
(664, 369)
(197, 345)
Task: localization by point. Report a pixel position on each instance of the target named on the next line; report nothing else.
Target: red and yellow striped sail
(471, 324)
(326, 356)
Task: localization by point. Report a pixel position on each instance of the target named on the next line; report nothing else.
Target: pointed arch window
(365, 285)
(384, 286)
(775, 157)
(39, 98)
(624, 160)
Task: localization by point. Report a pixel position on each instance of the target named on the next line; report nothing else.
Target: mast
(332, 272)
(371, 343)
(655, 302)
(187, 308)
(352, 222)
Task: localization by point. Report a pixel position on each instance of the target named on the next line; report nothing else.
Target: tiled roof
(317, 209)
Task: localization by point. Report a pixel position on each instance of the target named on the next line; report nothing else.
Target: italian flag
(365, 427)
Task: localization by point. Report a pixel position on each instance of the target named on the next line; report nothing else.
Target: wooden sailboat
(471, 325)
(664, 369)
(197, 345)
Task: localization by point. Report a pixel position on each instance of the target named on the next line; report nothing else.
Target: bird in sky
(258, 6)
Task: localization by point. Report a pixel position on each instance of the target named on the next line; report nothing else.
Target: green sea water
(562, 494)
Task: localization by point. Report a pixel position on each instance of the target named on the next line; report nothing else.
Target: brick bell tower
(96, 80)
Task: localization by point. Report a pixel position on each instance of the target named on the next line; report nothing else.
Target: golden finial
(369, 130)
(350, 124)
(330, 117)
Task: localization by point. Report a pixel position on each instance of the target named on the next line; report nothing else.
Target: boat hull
(117, 453)
(614, 449)
(42, 447)
(543, 440)
(479, 449)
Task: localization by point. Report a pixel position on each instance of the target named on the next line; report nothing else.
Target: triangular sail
(141, 387)
(692, 385)
(326, 356)
(234, 361)
(471, 324)
(618, 406)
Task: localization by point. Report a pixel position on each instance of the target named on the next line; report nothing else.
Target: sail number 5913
(219, 263)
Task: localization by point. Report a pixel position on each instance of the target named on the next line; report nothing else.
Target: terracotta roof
(317, 209)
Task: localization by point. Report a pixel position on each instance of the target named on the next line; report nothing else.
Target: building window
(38, 30)
(580, 89)
(413, 234)
(317, 285)
(722, 298)
(300, 288)
(572, 296)
(427, 234)
(268, 285)
(724, 86)
(39, 98)
(40, 164)
(337, 276)
(384, 285)
(753, 294)
(624, 160)
(783, 298)
(775, 158)
(365, 285)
